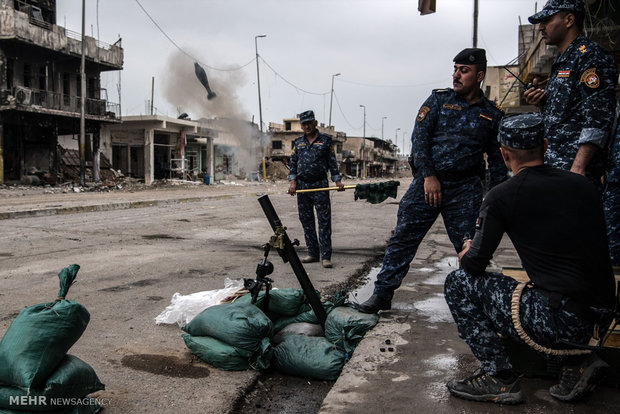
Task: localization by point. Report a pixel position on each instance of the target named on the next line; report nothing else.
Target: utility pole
(475, 23)
(363, 145)
(260, 108)
(396, 137)
(331, 98)
(82, 138)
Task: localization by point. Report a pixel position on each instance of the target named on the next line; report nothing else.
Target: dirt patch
(169, 366)
(139, 283)
(161, 236)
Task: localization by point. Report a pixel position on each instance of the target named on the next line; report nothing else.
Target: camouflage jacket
(311, 162)
(580, 103)
(452, 135)
(613, 161)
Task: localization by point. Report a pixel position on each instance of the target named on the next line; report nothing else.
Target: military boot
(374, 304)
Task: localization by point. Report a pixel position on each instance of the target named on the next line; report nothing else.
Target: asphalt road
(134, 259)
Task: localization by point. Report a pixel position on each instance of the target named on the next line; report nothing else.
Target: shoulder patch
(590, 78)
(583, 49)
(422, 113)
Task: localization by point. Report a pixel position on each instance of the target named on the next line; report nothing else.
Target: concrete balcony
(54, 103)
(24, 26)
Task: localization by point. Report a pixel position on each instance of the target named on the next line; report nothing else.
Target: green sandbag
(308, 357)
(85, 405)
(346, 327)
(218, 353)
(282, 302)
(240, 325)
(307, 317)
(73, 378)
(40, 336)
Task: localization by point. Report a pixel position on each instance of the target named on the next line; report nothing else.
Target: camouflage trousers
(307, 204)
(480, 306)
(611, 204)
(459, 210)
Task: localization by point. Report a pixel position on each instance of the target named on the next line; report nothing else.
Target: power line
(290, 83)
(343, 115)
(186, 53)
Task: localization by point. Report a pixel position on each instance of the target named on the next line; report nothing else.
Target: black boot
(374, 304)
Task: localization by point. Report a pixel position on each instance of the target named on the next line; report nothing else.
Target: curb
(116, 206)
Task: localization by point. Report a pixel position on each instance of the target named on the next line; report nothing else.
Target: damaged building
(352, 153)
(40, 89)
(156, 147)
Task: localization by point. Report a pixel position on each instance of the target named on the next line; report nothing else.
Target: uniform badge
(478, 223)
(590, 78)
(454, 107)
(422, 113)
(564, 74)
(485, 116)
(583, 49)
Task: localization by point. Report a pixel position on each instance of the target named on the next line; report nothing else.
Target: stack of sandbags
(231, 336)
(36, 374)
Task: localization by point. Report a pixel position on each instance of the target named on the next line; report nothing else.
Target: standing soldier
(453, 130)
(578, 102)
(312, 158)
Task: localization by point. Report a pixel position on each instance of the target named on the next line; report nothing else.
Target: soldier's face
(309, 127)
(553, 29)
(465, 78)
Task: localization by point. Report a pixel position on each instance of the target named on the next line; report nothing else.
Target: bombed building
(40, 89)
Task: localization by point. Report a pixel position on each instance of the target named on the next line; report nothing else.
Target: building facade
(40, 93)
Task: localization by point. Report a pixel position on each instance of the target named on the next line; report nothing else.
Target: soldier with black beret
(578, 101)
(563, 251)
(453, 130)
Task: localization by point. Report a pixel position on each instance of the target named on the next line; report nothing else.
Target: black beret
(471, 56)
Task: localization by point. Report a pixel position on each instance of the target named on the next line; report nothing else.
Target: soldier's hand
(466, 246)
(292, 188)
(432, 191)
(339, 185)
(534, 95)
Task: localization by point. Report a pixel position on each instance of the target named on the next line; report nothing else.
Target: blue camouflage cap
(306, 116)
(555, 6)
(523, 131)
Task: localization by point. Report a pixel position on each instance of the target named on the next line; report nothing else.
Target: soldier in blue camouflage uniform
(564, 255)
(453, 130)
(313, 156)
(611, 196)
(578, 101)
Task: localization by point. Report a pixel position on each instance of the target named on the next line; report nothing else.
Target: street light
(396, 137)
(363, 144)
(382, 143)
(382, 119)
(331, 99)
(260, 108)
(404, 149)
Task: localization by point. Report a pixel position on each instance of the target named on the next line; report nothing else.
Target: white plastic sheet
(183, 308)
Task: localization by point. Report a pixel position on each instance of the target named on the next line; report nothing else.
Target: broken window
(287, 125)
(276, 145)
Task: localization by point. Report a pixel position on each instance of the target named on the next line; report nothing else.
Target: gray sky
(388, 55)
